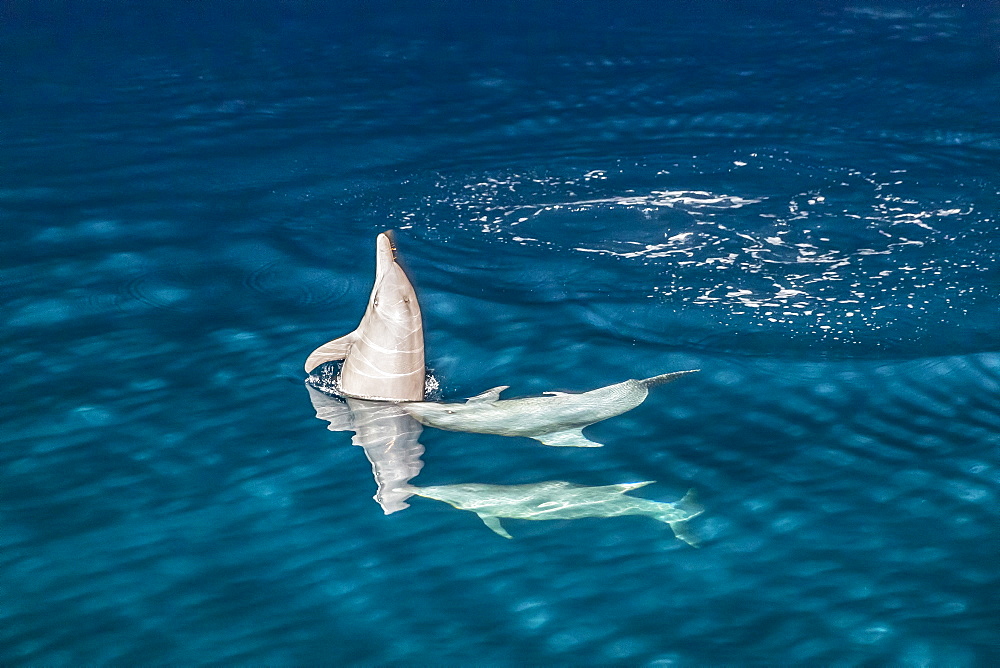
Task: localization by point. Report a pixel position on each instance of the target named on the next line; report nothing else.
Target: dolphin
(555, 419)
(388, 436)
(384, 356)
(558, 500)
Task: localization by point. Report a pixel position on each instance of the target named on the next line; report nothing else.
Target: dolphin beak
(385, 254)
(425, 492)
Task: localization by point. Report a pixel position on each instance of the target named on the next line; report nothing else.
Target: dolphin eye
(451, 412)
(375, 302)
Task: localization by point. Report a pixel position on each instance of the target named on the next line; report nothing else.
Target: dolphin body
(388, 436)
(557, 500)
(384, 357)
(555, 419)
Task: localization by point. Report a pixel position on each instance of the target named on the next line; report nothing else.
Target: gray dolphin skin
(388, 436)
(555, 419)
(384, 356)
(558, 500)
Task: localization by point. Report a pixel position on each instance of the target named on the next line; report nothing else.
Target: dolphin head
(386, 361)
(393, 300)
(434, 414)
(460, 496)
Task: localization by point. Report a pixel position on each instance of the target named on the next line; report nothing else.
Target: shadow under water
(560, 500)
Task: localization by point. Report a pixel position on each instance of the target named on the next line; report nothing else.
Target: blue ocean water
(799, 199)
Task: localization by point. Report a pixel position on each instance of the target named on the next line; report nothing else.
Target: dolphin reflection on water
(555, 419)
(388, 436)
(558, 500)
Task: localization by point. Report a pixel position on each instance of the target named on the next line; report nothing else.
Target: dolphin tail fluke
(570, 438)
(683, 532)
(665, 378)
(494, 523)
(690, 507)
(328, 352)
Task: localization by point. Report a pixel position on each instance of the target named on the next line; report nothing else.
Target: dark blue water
(800, 200)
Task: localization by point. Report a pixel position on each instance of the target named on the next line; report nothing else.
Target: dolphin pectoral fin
(328, 352)
(570, 438)
(494, 523)
(487, 397)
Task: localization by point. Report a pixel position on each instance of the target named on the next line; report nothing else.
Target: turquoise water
(799, 201)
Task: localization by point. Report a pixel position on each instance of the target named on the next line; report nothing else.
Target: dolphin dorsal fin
(328, 352)
(487, 397)
(624, 487)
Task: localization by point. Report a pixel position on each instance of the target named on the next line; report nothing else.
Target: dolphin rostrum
(557, 500)
(388, 436)
(555, 419)
(384, 356)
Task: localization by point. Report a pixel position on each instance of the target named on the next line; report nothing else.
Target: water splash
(778, 255)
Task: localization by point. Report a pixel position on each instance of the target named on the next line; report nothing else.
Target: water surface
(801, 202)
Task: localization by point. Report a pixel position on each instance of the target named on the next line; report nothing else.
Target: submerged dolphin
(388, 436)
(557, 500)
(384, 356)
(555, 419)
